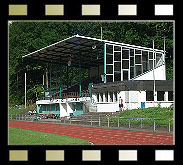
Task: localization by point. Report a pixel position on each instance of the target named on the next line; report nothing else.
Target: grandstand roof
(89, 51)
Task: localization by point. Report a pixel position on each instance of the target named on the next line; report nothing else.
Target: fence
(111, 122)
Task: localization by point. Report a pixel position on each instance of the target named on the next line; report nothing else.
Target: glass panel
(150, 55)
(117, 48)
(137, 51)
(132, 52)
(97, 97)
(117, 76)
(109, 78)
(111, 96)
(109, 69)
(115, 97)
(131, 61)
(101, 97)
(117, 66)
(131, 72)
(144, 66)
(158, 59)
(109, 49)
(125, 54)
(137, 59)
(150, 64)
(170, 95)
(117, 56)
(109, 59)
(144, 56)
(138, 69)
(149, 96)
(160, 95)
(125, 64)
(106, 97)
(125, 75)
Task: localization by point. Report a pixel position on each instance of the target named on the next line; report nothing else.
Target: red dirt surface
(98, 136)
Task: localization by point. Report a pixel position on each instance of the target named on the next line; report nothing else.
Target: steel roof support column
(104, 63)
(25, 89)
(50, 80)
(67, 77)
(79, 78)
(60, 81)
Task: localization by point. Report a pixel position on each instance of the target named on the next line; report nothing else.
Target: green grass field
(19, 136)
(13, 111)
(153, 112)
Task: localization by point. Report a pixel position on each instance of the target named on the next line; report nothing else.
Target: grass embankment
(13, 111)
(19, 136)
(153, 112)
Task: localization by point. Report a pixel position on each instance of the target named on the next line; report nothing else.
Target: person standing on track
(120, 104)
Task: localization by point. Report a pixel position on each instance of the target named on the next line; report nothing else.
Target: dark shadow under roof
(135, 85)
(88, 51)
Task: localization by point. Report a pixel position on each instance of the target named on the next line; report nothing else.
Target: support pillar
(104, 63)
(79, 78)
(25, 89)
(67, 77)
(60, 81)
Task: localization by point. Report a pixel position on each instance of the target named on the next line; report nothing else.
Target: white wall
(107, 107)
(63, 109)
(160, 74)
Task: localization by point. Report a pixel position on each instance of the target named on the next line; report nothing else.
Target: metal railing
(153, 124)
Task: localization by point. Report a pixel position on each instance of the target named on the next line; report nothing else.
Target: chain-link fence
(110, 122)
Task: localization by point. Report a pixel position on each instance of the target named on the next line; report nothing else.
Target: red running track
(98, 136)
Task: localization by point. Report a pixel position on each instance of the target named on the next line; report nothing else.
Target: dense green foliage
(19, 136)
(26, 37)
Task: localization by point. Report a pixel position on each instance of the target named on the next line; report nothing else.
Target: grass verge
(19, 136)
(152, 112)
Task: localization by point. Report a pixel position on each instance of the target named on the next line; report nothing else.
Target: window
(131, 61)
(149, 96)
(101, 97)
(109, 69)
(117, 76)
(117, 66)
(109, 78)
(144, 66)
(150, 64)
(125, 75)
(117, 48)
(110, 96)
(115, 97)
(138, 59)
(150, 55)
(144, 56)
(97, 97)
(125, 54)
(161, 96)
(106, 96)
(125, 64)
(137, 51)
(109, 59)
(131, 72)
(131, 52)
(158, 59)
(170, 95)
(117, 56)
(138, 69)
(109, 49)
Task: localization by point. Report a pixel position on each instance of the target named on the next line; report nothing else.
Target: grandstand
(137, 74)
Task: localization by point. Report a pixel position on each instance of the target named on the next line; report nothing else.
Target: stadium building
(116, 70)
